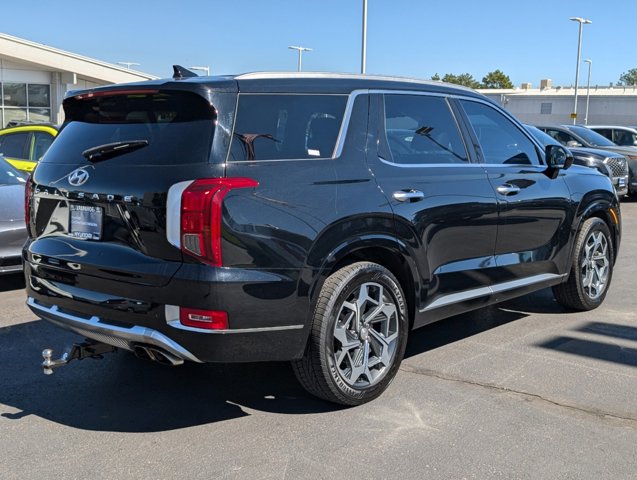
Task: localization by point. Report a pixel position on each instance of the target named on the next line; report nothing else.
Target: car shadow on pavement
(597, 346)
(13, 281)
(122, 393)
(465, 325)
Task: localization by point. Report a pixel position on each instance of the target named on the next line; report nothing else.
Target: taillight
(208, 319)
(201, 216)
(28, 191)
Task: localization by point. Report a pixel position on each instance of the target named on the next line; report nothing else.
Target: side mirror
(573, 144)
(558, 157)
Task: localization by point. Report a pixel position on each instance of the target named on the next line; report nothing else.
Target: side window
(280, 127)
(500, 140)
(561, 137)
(14, 145)
(421, 129)
(624, 138)
(42, 143)
(606, 132)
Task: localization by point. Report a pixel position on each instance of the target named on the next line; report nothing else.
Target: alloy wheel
(595, 265)
(366, 335)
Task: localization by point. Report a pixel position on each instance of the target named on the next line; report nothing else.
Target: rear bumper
(266, 321)
(97, 329)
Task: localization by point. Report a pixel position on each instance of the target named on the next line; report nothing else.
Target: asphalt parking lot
(519, 390)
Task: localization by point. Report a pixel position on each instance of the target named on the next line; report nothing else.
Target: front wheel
(358, 337)
(591, 268)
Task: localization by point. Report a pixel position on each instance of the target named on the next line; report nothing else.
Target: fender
(601, 205)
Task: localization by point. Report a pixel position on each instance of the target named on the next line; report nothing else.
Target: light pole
(588, 89)
(300, 50)
(203, 69)
(129, 64)
(364, 40)
(581, 22)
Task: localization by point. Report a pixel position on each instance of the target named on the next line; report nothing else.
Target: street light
(300, 50)
(129, 64)
(203, 69)
(588, 89)
(364, 40)
(581, 22)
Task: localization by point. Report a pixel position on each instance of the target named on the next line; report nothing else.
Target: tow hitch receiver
(78, 351)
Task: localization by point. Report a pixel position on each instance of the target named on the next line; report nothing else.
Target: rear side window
(285, 127)
(178, 126)
(15, 145)
(422, 130)
(42, 143)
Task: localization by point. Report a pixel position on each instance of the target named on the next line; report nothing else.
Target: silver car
(13, 232)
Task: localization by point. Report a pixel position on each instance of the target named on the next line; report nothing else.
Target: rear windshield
(173, 127)
(280, 127)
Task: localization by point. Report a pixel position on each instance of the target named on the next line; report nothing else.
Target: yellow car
(24, 145)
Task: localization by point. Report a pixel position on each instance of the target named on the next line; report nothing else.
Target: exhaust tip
(154, 354)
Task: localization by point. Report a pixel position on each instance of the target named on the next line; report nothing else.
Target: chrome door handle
(408, 195)
(508, 189)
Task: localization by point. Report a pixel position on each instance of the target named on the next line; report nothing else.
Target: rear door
(534, 226)
(99, 205)
(444, 206)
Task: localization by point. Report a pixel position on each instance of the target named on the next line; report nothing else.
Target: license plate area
(86, 221)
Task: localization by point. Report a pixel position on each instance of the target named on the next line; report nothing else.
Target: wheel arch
(384, 250)
(609, 213)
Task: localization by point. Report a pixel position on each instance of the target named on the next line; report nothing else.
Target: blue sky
(528, 40)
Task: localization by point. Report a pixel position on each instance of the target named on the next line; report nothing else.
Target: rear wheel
(358, 336)
(591, 268)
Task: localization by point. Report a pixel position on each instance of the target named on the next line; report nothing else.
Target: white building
(34, 78)
(553, 105)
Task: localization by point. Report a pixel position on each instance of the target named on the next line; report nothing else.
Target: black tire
(330, 367)
(575, 293)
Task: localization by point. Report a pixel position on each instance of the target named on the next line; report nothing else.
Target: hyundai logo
(78, 177)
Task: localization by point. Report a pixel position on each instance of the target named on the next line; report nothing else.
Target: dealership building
(35, 77)
(610, 105)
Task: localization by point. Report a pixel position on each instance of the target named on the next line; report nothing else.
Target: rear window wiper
(110, 150)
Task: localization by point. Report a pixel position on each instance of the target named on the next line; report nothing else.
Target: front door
(534, 225)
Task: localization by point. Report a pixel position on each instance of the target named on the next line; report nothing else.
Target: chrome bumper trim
(121, 337)
(172, 319)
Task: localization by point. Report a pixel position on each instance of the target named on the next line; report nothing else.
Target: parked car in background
(622, 136)
(316, 218)
(574, 136)
(13, 231)
(23, 145)
(609, 163)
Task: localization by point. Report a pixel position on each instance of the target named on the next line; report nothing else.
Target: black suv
(314, 218)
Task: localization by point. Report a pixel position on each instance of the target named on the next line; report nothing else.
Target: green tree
(464, 79)
(629, 77)
(496, 79)
(436, 77)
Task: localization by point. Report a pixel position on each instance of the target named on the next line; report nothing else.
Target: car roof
(30, 127)
(294, 82)
(616, 127)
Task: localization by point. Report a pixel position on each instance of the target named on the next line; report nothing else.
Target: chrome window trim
(172, 319)
(345, 120)
(484, 291)
(340, 139)
(437, 165)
